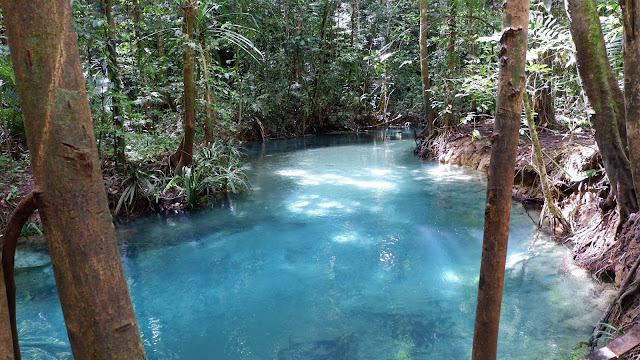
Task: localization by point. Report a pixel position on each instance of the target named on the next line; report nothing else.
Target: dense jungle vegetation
(175, 87)
(292, 68)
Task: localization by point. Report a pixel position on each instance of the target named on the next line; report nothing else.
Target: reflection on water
(355, 250)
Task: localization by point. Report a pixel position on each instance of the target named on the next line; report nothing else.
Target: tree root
(18, 218)
(540, 168)
(616, 303)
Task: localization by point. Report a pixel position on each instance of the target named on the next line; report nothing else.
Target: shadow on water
(344, 347)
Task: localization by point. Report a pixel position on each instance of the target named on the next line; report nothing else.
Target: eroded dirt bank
(581, 188)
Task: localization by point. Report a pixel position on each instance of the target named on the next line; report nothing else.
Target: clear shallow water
(357, 250)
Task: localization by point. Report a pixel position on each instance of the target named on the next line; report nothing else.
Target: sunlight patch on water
(450, 276)
(333, 179)
(380, 172)
(331, 204)
(449, 173)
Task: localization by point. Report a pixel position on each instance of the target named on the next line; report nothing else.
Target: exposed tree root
(615, 305)
(541, 169)
(19, 217)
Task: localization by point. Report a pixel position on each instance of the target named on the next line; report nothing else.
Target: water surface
(347, 247)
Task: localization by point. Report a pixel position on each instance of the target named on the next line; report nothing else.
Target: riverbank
(582, 191)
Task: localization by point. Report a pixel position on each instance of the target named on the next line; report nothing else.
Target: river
(346, 247)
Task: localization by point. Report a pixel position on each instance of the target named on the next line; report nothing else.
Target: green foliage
(138, 183)
(216, 168)
(31, 229)
(11, 126)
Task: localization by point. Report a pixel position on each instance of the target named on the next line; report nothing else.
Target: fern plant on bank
(138, 183)
(216, 168)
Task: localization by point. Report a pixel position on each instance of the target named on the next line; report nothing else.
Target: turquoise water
(347, 247)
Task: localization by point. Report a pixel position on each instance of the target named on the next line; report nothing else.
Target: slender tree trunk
(165, 76)
(424, 68)
(186, 148)
(541, 169)
(355, 22)
(631, 19)
(543, 98)
(114, 77)
(504, 146)
(209, 119)
(326, 18)
(68, 182)
(298, 65)
(139, 46)
(451, 65)
(605, 98)
(472, 47)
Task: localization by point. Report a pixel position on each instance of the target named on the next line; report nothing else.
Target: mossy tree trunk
(605, 98)
(424, 68)
(504, 146)
(631, 20)
(184, 154)
(68, 182)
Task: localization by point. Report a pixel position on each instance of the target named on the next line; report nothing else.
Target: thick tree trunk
(605, 98)
(114, 77)
(631, 19)
(68, 182)
(504, 144)
(424, 68)
(18, 218)
(186, 149)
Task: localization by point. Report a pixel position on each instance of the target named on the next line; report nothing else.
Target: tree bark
(6, 338)
(68, 183)
(355, 22)
(605, 99)
(165, 76)
(504, 144)
(451, 65)
(18, 218)
(209, 119)
(188, 67)
(114, 77)
(631, 20)
(326, 19)
(424, 68)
